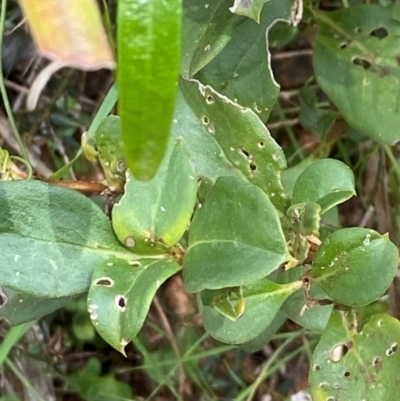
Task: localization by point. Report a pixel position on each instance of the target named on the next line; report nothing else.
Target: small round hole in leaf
(379, 33)
(121, 302)
(362, 62)
(317, 367)
(209, 99)
(338, 352)
(104, 281)
(211, 129)
(246, 153)
(205, 120)
(377, 361)
(346, 373)
(253, 167)
(261, 144)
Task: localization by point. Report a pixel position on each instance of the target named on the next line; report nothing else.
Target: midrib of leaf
(126, 255)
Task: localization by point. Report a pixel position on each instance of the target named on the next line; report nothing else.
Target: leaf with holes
(263, 300)
(242, 70)
(235, 238)
(351, 365)
(327, 182)
(152, 216)
(355, 266)
(18, 308)
(149, 46)
(242, 137)
(356, 52)
(207, 28)
(51, 238)
(121, 294)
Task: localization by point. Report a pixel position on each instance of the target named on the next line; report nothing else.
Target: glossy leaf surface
(149, 45)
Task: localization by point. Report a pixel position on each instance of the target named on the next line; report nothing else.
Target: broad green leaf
(356, 54)
(153, 215)
(149, 42)
(327, 182)
(304, 218)
(51, 238)
(207, 28)
(73, 33)
(235, 238)
(121, 294)
(243, 138)
(248, 8)
(351, 365)
(312, 314)
(265, 337)
(355, 266)
(18, 308)
(263, 301)
(242, 70)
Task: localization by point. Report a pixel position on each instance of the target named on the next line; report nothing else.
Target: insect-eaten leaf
(355, 266)
(357, 365)
(121, 294)
(235, 238)
(356, 53)
(152, 216)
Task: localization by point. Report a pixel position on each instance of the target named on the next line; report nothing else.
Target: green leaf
(207, 28)
(356, 53)
(263, 301)
(235, 238)
(152, 216)
(242, 70)
(18, 308)
(121, 294)
(51, 238)
(327, 182)
(355, 266)
(243, 138)
(149, 42)
(367, 368)
(265, 337)
(248, 8)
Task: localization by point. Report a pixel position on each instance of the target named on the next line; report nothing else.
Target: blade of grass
(12, 337)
